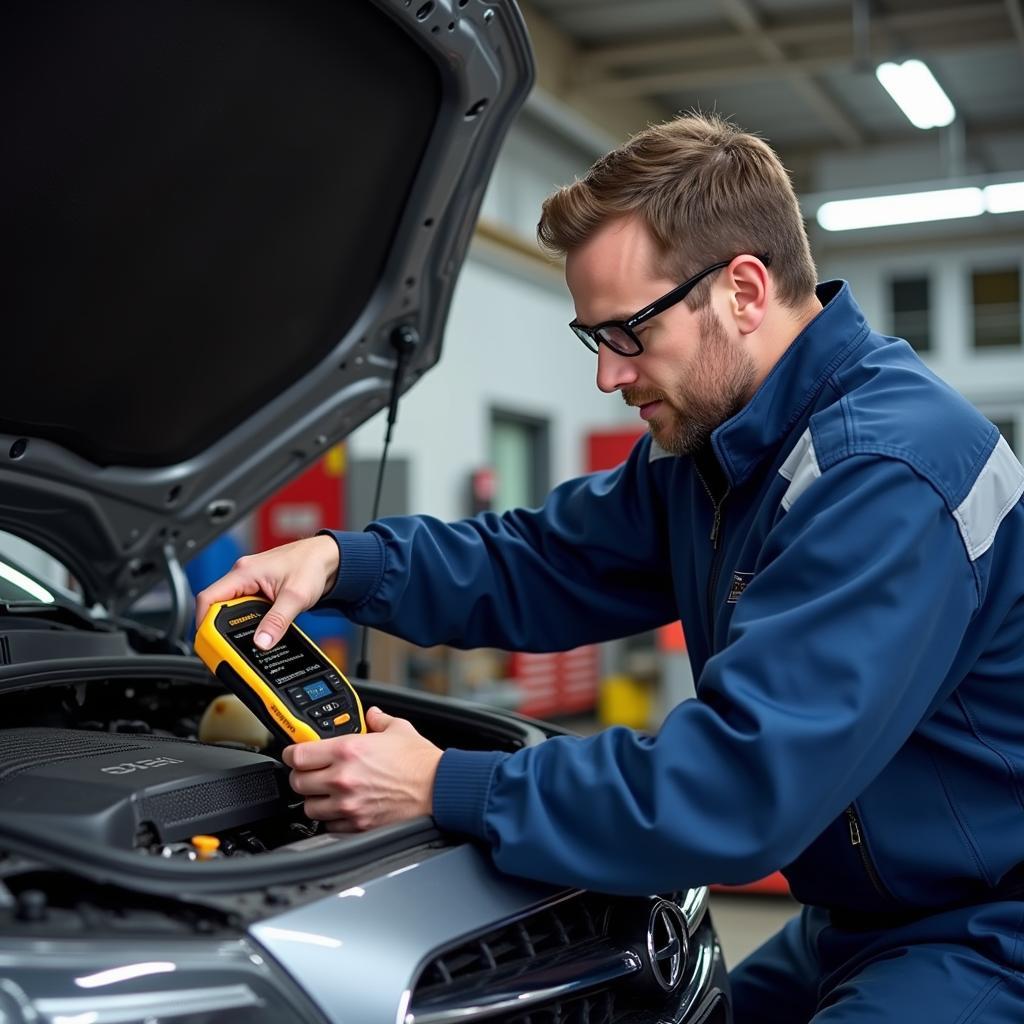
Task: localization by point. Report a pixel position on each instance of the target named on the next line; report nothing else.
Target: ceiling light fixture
(910, 208)
(913, 87)
(971, 198)
(1005, 198)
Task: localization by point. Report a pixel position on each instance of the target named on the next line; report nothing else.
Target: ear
(748, 298)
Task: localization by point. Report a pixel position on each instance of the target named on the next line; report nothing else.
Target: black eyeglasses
(619, 335)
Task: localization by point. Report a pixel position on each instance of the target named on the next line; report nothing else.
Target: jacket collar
(790, 387)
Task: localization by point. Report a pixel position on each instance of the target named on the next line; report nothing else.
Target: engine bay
(137, 795)
(155, 794)
(122, 764)
(149, 756)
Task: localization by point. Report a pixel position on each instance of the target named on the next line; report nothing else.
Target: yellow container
(625, 701)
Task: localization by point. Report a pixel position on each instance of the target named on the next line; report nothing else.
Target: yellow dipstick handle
(206, 846)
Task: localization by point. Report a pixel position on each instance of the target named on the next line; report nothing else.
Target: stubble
(716, 384)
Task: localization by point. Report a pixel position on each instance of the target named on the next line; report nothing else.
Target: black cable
(404, 339)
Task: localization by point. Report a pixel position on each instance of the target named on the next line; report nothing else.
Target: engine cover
(112, 788)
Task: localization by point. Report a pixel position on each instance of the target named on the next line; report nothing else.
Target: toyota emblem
(667, 944)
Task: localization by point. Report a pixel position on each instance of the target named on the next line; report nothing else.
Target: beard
(714, 386)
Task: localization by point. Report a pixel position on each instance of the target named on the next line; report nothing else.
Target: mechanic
(842, 535)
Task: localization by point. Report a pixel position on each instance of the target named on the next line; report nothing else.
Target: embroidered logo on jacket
(740, 580)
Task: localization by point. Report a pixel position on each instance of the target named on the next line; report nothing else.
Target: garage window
(520, 457)
(996, 303)
(910, 305)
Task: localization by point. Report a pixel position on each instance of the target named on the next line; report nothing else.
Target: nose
(614, 371)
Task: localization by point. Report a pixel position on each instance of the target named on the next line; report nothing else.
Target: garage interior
(802, 74)
(516, 392)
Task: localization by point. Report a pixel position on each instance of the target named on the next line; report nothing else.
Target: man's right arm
(591, 564)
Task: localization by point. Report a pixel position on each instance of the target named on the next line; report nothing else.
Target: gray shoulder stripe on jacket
(800, 469)
(998, 488)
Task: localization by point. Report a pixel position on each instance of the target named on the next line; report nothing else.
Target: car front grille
(579, 960)
(573, 922)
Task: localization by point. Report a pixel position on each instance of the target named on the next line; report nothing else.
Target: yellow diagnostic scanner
(292, 688)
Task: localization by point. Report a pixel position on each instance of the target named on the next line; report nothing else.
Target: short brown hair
(706, 191)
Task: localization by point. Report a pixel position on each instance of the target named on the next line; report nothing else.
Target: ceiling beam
(556, 53)
(746, 19)
(744, 72)
(835, 32)
(978, 132)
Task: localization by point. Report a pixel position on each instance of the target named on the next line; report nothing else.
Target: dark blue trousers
(956, 967)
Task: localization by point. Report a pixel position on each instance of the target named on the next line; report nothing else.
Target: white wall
(534, 161)
(507, 344)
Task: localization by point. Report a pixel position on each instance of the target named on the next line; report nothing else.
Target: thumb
(280, 616)
(377, 720)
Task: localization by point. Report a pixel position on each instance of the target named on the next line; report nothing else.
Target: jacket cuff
(461, 788)
(360, 566)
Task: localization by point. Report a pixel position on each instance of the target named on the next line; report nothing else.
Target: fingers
(306, 784)
(314, 755)
(341, 815)
(382, 777)
(280, 616)
(319, 774)
(294, 576)
(377, 720)
(323, 808)
(356, 814)
(235, 584)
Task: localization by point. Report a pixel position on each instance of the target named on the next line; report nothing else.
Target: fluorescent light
(1006, 198)
(916, 92)
(911, 208)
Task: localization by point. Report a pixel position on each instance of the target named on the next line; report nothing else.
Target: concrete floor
(744, 922)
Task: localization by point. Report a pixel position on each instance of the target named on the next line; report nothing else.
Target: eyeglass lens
(617, 340)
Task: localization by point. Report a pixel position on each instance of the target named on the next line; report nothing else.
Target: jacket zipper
(716, 561)
(716, 568)
(857, 842)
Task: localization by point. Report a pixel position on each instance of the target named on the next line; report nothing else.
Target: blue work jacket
(848, 561)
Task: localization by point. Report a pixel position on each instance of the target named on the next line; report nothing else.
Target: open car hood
(216, 219)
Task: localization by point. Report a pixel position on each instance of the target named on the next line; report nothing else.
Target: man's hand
(294, 576)
(355, 783)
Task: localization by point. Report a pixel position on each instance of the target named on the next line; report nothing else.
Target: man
(843, 537)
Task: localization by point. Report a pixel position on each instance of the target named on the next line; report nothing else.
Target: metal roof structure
(801, 74)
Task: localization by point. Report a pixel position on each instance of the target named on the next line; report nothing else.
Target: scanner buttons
(325, 709)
